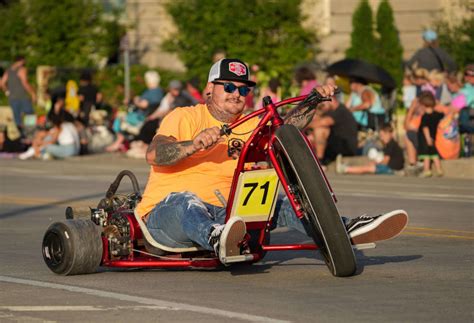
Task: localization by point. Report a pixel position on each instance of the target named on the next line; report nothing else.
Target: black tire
(322, 220)
(72, 247)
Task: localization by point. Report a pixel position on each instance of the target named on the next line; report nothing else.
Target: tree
(69, 33)
(389, 49)
(457, 40)
(262, 32)
(362, 35)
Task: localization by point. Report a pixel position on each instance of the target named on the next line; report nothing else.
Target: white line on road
(165, 305)
(407, 195)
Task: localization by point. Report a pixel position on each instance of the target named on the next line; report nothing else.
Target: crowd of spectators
(438, 122)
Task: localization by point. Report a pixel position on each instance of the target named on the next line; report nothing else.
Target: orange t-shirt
(201, 173)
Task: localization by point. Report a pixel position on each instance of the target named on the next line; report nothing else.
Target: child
(412, 125)
(391, 161)
(427, 134)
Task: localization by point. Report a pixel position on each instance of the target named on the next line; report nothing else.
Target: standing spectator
(412, 125)
(388, 163)
(306, 79)
(431, 56)
(365, 104)
(89, 95)
(16, 86)
(427, 134)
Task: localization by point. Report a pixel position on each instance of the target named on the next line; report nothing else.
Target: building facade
(330, 19)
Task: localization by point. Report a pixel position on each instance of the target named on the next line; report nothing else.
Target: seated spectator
(364, 102)
(427, 151)
(334, 131)
(388, 163)
(447, 140)
(8, 144)
(408, 89)
(459, 99)
(144, 106)
(176, 97)
(420, 79)
(438, 86)
(61, 141)
(305, 79)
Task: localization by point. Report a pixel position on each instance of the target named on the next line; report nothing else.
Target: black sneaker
(367, 229)
(225, 239)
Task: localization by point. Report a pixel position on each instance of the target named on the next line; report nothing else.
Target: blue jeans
(183, 220)
(20, 107)
(61, 151)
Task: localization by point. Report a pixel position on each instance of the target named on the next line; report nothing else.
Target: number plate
(256, 195)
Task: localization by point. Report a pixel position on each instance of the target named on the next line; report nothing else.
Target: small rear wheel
(321, 217)
(72, 247)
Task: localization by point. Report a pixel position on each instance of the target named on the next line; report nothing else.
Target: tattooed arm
(167, 151)
(301, 116)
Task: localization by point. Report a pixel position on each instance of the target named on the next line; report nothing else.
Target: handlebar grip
(225, 130)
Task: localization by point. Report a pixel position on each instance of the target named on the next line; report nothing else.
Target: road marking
(77, 308)
(165, 305)
(439, 233)
(408, 196)
(444, 230)
(434, 235)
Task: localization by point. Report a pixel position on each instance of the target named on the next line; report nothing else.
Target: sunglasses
(229, 87)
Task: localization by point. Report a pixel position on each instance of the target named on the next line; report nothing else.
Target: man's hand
(326, 90)
(301, 116)
(207, 138)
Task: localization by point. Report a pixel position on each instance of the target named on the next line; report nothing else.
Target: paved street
(425, 275)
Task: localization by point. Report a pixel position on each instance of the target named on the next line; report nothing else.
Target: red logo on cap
(237, 68)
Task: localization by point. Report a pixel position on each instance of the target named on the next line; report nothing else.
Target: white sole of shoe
(234, 232)
(387, 226)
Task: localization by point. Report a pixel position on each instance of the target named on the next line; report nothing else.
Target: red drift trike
(277, 157)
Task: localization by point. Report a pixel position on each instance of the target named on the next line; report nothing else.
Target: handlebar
(312, 99)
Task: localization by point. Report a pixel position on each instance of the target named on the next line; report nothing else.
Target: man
(335, 131)
(189, 162)
(16, 86)
(431, 56)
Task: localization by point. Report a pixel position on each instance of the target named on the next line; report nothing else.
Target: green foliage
(362, 35)
(389, 49)
(457, 40)
(58, 33)
(263, 32)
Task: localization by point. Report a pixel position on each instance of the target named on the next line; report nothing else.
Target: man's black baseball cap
(230, 69)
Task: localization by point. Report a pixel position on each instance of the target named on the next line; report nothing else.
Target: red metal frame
(258, 148)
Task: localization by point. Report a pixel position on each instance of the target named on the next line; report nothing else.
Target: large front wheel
(307, 184)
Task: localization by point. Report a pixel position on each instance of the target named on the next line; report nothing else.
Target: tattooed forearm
(166, 151)
(170, 153)
(300, 117)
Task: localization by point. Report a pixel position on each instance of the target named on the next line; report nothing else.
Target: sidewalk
(457, 168)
